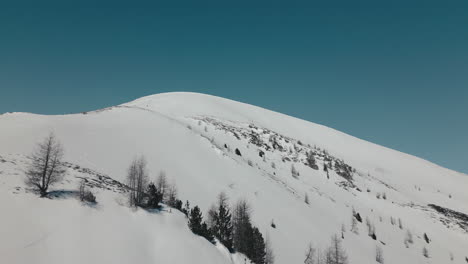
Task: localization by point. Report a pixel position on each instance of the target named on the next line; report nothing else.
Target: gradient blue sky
(396, 75)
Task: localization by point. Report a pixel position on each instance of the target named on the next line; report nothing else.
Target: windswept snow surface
(192, 137)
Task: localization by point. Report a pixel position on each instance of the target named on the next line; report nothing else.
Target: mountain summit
(304, 182)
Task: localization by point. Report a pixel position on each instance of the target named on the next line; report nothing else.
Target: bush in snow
(273, 223)
(238, 153)
(85, 194)
(354, 226)
(311, 160)
(425, 252)
(46, 166)
(408, 238)
(294, 171)
(426, 238)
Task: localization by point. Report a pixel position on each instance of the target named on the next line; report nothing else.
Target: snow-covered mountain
(193, 138)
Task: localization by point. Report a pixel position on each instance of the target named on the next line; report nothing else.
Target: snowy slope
(185, 135)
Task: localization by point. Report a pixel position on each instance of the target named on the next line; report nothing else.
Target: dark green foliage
(247, 239)
(195, 220)
(197, 225)
(222, 226)
(154, 196)
(258, 247)
(178, 205)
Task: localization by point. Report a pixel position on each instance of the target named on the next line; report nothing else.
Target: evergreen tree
(154, 196)
(195, 220)
(222, 226)
(258, 247)
(207, 233)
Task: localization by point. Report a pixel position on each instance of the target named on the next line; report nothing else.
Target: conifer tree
(154, 196)
(195, 220)
(258, 247)
(222, 226)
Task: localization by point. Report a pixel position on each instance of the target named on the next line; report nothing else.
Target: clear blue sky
(396, 75)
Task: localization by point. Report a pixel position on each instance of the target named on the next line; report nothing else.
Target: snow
(165, 128)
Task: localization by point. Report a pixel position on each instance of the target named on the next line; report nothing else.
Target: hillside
(193, 138)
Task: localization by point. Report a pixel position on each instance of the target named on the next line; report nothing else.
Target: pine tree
(195, 220)
(154, 196)
(207, 233)
(258, 247)
(222, 226)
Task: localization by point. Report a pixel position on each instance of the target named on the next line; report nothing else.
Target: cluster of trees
(147, 194)
(232, 227)
(333, 254)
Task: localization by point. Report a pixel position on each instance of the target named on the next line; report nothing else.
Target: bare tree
(172, 195)
(408, 238)
(379, 255)
(354, 226)
(46, 167)
(137, 179)
(338, 254)
(310, 255)
(241, 225)
(81, 190)
(162, 185)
